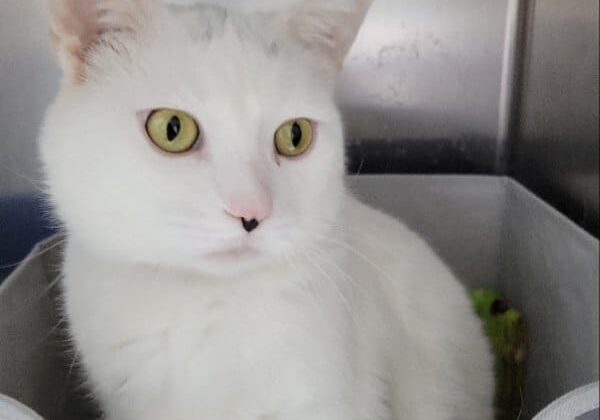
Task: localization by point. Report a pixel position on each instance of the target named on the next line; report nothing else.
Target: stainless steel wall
(28, 80)
(556, 145)
(425, 80)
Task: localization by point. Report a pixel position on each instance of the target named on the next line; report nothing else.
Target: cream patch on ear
(77, 25)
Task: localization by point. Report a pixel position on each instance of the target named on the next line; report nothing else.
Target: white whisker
(358, 254)
(336, 284)
(33, 256)
(33, 182)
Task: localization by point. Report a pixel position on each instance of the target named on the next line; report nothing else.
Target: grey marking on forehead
(204, 22)
(252, 28)
(208, 22)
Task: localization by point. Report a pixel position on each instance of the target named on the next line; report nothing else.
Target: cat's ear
(77, 26)
(327, 27)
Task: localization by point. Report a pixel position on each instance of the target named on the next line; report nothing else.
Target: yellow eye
(171, 130)
(294, 137)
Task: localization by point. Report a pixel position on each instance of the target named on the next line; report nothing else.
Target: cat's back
(399, 256)
(434, 339)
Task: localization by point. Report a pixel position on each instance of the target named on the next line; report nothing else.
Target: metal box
(490, 230)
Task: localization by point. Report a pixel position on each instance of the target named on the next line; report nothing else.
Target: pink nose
(250, 212)
(250, 209)
(245, 195)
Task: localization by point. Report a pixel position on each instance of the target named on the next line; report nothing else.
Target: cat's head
(197, 138)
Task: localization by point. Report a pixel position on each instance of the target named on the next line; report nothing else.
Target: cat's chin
(233, 262)
(234, 253)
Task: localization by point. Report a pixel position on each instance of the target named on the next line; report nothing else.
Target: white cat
(216, 267)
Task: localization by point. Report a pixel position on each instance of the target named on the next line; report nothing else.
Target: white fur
(244, 6)
(337, 312)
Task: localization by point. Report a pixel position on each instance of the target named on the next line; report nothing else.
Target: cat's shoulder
(371, 222)
(389, 242)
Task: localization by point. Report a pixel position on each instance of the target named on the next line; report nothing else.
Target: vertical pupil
(296, 135)
(173, 128)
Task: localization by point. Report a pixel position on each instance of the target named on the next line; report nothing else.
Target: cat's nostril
(250, 225)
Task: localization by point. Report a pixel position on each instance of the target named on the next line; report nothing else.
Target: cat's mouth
(239, 252)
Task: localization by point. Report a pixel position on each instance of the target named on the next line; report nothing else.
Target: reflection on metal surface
(28, 81)
(425, 71)
(416, 156)
(556, 152)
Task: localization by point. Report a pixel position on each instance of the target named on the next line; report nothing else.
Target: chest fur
(143, 337)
